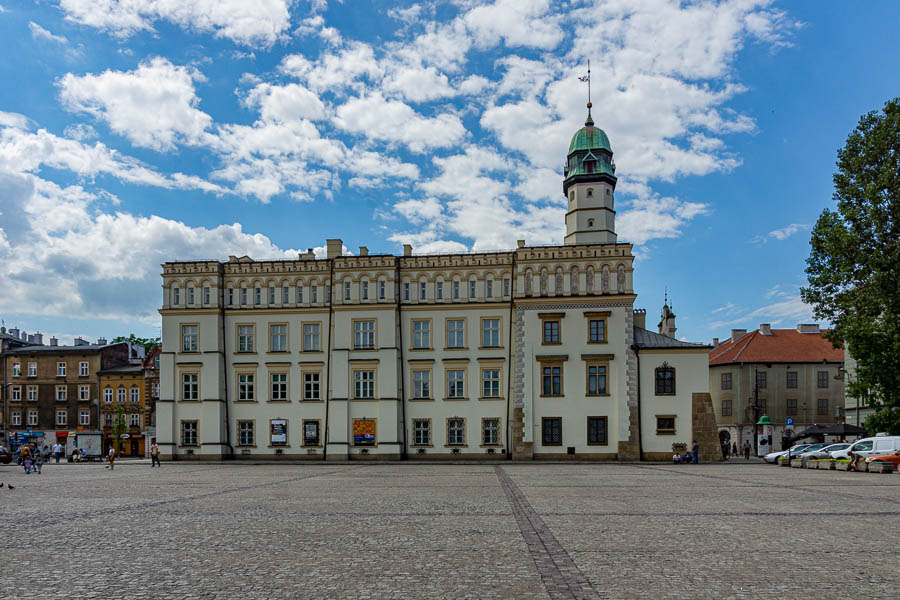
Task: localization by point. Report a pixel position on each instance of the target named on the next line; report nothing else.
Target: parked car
(825, 451)
(772, 457)
(5, 455)
(893, 457)
(870, 446)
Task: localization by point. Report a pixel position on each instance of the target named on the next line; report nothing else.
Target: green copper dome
(589, 138)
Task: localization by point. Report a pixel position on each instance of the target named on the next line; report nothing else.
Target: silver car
(772, 457)
(824, 452)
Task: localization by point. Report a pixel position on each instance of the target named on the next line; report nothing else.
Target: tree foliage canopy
(147, 343)
(854, 266)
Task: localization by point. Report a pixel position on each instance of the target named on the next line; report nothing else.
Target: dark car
(5, 455)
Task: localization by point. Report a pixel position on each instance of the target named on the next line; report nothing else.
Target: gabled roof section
(648, 339)
(781, 346)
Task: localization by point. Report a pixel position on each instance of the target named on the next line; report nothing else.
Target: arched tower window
(571, 196)
(591, 223)
(590, 192)
(665, 380)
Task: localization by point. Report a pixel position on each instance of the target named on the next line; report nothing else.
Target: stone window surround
(464, 443)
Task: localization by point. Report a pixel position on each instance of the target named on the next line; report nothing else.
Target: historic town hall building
(532, 353)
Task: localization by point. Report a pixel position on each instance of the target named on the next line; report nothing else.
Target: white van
(871, 446)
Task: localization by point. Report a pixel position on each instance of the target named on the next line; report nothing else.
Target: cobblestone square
(507, 530)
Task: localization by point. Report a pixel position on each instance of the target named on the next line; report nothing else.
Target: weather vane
(587, 78)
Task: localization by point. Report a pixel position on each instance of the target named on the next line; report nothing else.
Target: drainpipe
(640, 432)
(403, 453)
(509, 364)
(225, 359)
(328, 357)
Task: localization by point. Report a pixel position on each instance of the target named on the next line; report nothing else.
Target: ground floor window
(421, 432)
(310, 433)
(665, 424)
(188, 433)
(597, 431)
(456, 432)
(552, 431)
(822, 407)
(245, 433)
(490, 432)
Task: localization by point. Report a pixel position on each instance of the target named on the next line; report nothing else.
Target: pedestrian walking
(695, 453)
(154, 456)
(111, 457)
(25, 456)
(734, 450)
(39, 463)
(746, 449)
(57, 451)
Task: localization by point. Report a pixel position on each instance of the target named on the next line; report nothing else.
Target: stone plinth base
(705, 428)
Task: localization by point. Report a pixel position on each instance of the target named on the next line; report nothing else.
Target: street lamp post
(841, 375)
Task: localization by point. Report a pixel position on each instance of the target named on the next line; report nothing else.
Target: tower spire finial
(587, 78)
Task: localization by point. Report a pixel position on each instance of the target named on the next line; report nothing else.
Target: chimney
(334, 248)
(520, 243)
(23, 336)
(640, 318)
(31, 338)
(101, 341)
(715, 342)
(808, 328)
(2, 328)
(736, 333)
(39, 338)
(14, 332)
(54, 341)
(363, 251)
(407, 249)
(79, 341)
(765, 328)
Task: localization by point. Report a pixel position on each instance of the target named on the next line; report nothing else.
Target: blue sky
(135, 133)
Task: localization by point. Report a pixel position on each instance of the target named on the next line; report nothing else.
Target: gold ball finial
(589, 105)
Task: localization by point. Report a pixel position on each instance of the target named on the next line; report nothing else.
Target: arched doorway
(725, 442)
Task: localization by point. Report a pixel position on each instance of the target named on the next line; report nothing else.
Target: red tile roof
(782, 346)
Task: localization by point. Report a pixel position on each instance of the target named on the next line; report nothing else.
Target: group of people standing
(731, 449)
(32, 458)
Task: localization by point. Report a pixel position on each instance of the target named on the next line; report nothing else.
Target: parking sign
(789, 422)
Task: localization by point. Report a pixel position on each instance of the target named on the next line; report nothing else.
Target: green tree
(119, 427)
(147, 343)
(854, 265)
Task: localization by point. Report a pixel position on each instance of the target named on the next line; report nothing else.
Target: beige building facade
(532, 353)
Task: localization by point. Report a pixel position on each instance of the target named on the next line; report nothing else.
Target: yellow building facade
(124, 387)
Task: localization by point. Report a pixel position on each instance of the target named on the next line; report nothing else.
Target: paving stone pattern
(514, 530)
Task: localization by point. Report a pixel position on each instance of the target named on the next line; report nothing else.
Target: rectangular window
(257, 296)
(365, 290)
(406, 291)
(364, 384)
(310, 433)
(16, 369)
(311, 386)
(32, 369)
(792, 407)
(490, 383)
(84, 417)
(156, 390)
(278, 338)
(62, 417)
(229, 294)
(381, 290)
(423, 289)
(665, 380)
(245, 338)
(16, 394)
(278, 387)
(134, 420)
(190, 387)
(761, 380)
(60, 369)
(60, 393)
(310, 337)
(472, 289)
(791, 382)
(439, 290)
(551, 332)
(489, 291)
(490, 432)
(421, 432)
(456, 383)
(189, 338)
(456, 333)
(763, 404)
(456, 290)
(243, 296)
(364, 335)
(206, 295)
(314, 294)
(16, 418)
(551, 431)
(246, 387)
(245, 433)
(32, 418)
(596, 380)
(299, 293)
(190, 296)
(596, 331)
(107, 419)
(285, 295)
(347, 291)
(121, 395)
(456, 432)
(506, 288)
(551, 380)
(822, 379)
(726, 407)
(107, 395)
(421, 384)
(83, 369)
(176, 296)
(421, 334)
(665, 425)
(726, 381)
(822, 406)
(271, 295)
(135, 395)
(31, 393)
(490, 333)
(189, 433)
(597, 431)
